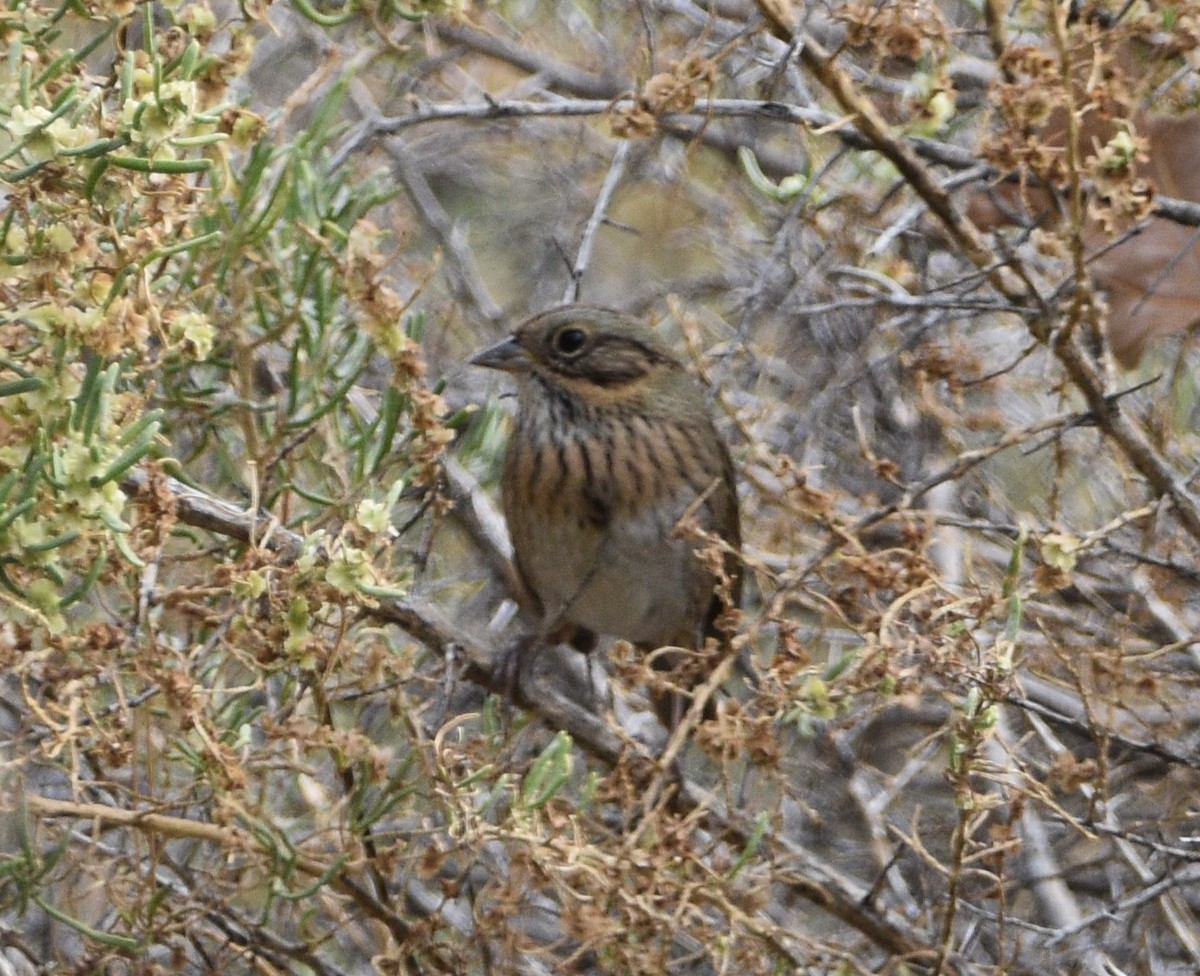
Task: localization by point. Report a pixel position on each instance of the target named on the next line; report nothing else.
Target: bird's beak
(507, 355)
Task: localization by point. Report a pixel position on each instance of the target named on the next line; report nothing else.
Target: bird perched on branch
(618, 491)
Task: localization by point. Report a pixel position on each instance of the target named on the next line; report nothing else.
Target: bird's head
(595, 353)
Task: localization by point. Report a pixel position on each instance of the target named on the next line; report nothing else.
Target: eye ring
(570, 340)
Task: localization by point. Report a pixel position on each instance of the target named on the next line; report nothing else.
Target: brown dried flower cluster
(676, 90)
(383, 316)
(898, 29)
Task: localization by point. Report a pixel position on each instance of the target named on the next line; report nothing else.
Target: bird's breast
(592, 501)
(629, 579)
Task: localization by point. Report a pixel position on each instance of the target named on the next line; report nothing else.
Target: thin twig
(466, 277)
(616, 171)
(856, 136)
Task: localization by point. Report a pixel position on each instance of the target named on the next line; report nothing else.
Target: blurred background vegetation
(937, 261)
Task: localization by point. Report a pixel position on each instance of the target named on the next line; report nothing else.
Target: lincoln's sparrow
(614, 445)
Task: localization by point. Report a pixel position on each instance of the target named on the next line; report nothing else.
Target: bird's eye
(570, 340)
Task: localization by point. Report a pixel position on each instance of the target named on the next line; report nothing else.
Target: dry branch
(806, 874)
